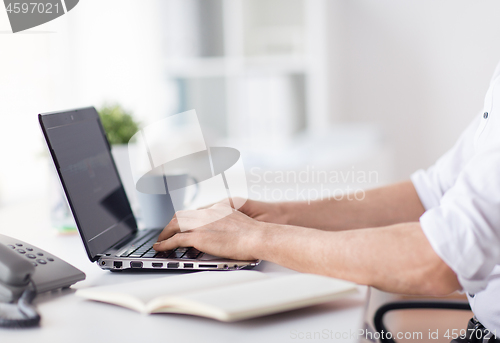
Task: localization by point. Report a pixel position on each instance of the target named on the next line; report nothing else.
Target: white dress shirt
(461, 196)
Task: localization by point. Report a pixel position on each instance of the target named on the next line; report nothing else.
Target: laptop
(82, 157)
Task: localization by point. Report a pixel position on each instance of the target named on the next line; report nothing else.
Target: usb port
(136, 264)
(173, 265)
(208, 266)
(157, 264)
(188, 265)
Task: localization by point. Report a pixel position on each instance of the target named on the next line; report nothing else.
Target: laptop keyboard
(144, 249)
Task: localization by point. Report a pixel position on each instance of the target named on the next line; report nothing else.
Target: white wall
(418, 67)
(25, 91)
(100, 51)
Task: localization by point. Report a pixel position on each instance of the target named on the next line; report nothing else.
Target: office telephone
(26, 270)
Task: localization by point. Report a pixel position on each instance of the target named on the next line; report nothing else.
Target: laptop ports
(117, 264)
(157, 264)
(172, 265)
(136, 264)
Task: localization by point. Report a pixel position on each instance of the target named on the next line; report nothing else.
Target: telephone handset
(15, 274)
(16, 286)
(26, 270)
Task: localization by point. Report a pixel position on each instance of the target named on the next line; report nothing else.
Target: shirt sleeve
(431, 184)
(464, 230)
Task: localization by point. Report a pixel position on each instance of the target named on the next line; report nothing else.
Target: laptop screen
(85, 166)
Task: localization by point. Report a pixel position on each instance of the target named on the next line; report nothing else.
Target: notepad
(224, 296)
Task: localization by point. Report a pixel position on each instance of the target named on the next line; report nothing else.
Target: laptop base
(115, 264)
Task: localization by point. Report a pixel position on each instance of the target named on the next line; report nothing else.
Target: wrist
(263, 240)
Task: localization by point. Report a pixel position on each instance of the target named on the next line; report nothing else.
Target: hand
(269, 212)
(235, 236)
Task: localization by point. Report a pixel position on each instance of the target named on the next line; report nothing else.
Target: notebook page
(256, 298)
(137, 294)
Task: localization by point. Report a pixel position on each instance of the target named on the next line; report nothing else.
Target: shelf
(338, 146)
(250, 68)
(223, 66)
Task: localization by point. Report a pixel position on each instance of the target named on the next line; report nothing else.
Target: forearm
(396, 258)
(384, 206)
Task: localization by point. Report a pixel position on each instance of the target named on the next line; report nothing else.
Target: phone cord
(28, 315)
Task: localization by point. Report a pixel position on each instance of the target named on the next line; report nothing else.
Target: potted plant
(118, 123)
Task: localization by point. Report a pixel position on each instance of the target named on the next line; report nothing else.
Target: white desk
(67, 318)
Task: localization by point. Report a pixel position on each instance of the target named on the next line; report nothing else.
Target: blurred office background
(381, 85)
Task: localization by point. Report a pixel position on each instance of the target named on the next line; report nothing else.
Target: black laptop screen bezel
(99, 245)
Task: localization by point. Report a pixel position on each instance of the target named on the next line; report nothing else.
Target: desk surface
(66, 317)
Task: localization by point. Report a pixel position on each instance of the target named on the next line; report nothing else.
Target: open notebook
(225, 296)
